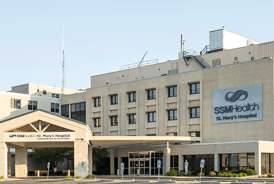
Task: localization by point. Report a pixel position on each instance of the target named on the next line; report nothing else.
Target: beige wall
(7, 112)
(257, 51)
(240, 74)
(37, 90)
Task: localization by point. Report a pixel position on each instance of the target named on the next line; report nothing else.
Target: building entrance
(143, 163)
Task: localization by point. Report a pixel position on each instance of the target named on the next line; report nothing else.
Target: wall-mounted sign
(37, 137)
(237, 104)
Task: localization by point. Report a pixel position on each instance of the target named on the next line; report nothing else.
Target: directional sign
(159, 164)
(48, 165)
(122, 166)
(202, 164)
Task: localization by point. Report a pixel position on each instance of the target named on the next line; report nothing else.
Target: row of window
(151, 94)
(172, 115)
(32, 105)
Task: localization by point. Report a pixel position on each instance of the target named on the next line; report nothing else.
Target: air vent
(171, 72)
(216, 62)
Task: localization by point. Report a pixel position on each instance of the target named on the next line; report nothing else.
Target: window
(32, 105)
(150, 134)
(151, 94)
(65, 110)
(114, 99)
(113, 120)
(78, 111)
(97, 122)
(195, 112)
(172, 91)
(175, 134)
(252, 58)
(54, 107)
(237, 161)
(194, 161)
(174, 162)
(132, 97)
(132, 118)
(97, 102)
(44, 92)
(195, 88)
(15, 103)
(53, 95)
(172, 115)
(235, 58)
(151, 116)
(194, 134)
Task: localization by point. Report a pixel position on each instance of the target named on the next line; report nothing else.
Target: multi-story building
(223, 97)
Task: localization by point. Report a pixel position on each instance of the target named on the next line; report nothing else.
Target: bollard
(38, 173)
(68, 172)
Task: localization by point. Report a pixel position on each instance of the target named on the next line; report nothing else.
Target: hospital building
(214, 104)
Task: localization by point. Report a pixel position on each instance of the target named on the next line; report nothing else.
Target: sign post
(159, 166)
(48, 166)
(202, 164)
(122, 169)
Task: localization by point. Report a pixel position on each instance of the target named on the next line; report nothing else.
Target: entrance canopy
(125, 141)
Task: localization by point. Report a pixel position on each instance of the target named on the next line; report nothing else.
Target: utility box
(222, 39)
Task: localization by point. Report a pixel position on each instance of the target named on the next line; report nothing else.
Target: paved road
(143, 180)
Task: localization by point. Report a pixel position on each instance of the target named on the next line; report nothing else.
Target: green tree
(52, 155)
(99, 156)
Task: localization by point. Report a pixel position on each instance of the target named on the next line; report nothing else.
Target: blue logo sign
(238, 95)
(11, 136)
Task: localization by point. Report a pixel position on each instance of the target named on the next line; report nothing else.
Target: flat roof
(125, 141)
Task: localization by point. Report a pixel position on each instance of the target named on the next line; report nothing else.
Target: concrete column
(81, 158)
(258, 163)
(3, 160)
(21, 162)
(90, 160)
(167, 155)
(216, 162)
(9, 162)
(181, 162)
(112, 162)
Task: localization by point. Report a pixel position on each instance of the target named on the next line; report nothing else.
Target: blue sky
(100, 36)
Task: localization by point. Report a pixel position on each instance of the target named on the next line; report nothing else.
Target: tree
(52, 155)
(99, 156)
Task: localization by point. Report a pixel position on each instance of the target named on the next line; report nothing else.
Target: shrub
(269, 175)
(2, 177)
(225, 175)
(220, 174)
(200, 174)
(173, 172)
(240, 175)
(78, 177)
(68, 176)
(212, 174)
(229, 175)
(235, 175)
(91, 176)
(249, 172)
(244, 174)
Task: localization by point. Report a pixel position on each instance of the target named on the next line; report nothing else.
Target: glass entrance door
(139, 167)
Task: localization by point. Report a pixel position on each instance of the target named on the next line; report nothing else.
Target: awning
(125, 141)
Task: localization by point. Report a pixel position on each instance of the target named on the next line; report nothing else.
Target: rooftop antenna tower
(63, 63)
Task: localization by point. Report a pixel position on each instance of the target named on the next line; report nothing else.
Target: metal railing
(197, 58)
(136, 65)
(205, 50)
